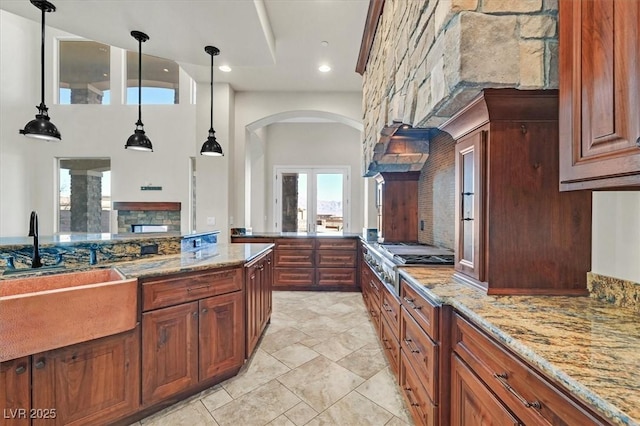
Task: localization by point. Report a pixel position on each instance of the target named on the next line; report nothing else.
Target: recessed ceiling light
(104, 74)
(324, 68)
(165, 70)
(324, 43)
(224, 68)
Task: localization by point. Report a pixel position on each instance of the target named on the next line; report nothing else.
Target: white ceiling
(270, 44)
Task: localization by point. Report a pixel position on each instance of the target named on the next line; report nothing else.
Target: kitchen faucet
(33, 232)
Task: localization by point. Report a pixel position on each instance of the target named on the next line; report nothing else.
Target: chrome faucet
(33, 232)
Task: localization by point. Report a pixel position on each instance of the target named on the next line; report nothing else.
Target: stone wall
(126, 218)
(430, 58)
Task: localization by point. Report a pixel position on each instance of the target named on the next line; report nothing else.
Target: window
(311, 200)
(160, 80)
(84, 195)
(84, 72)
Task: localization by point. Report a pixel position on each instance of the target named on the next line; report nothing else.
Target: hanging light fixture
(41, 127)
(138, 141)
(211, 147)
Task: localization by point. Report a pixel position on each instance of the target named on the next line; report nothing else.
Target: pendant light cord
(211, 112)
(139, 123)
(42, 62)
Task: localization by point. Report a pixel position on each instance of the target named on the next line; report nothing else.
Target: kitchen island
(194, 311)
(585, 347)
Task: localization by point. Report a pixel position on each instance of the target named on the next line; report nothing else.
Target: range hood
(402, 148)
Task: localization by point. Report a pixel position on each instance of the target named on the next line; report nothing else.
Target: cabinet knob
(21, 369)
(204, 310)
(40, 364)
(638, 142)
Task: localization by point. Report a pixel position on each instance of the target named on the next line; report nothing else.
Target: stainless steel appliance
(384, 259)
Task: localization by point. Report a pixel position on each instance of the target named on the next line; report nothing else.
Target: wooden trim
(370, 27)
(146, 206)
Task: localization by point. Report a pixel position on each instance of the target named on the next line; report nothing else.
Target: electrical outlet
(211, 220)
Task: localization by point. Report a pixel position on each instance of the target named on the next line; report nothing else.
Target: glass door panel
(294, 208)
(329, 201)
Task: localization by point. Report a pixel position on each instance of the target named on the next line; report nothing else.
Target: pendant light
(211, 147)
(138, 141)
(41, 127)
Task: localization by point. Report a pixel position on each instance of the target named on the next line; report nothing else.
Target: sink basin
(30, 271)
(47, 312)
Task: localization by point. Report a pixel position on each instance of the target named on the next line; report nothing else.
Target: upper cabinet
(599, 94)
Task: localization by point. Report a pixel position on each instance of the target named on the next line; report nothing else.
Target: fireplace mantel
(146, 206)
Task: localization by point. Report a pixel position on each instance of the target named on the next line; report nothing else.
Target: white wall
(616, 234)
(308, 144)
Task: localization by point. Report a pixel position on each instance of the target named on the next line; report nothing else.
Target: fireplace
(144, 216)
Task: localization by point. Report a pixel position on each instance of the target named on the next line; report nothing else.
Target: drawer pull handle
(20, 369)
(373, 286)
(502, 378)
(408, 342)
(386, 307)
(413, 404)
(40, 364)
(197, 288)
(411, 304)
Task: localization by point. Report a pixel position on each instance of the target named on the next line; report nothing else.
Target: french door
(311, 199)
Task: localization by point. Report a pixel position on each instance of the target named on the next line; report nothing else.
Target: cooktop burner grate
(423, 259)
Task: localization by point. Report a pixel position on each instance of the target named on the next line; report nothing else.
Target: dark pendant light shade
(139, 141)
(211, 147)
(41, 127)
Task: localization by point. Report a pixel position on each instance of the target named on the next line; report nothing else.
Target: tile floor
(319, 363)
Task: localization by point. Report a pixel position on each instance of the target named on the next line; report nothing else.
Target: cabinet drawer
(421, 309)
(294, 258)
(295, 243)
(293, 276)
(424, 412)
(336, 244)
(191, 286)
(336, 259)
(336, 276)
(251, 240)
(531, 397)
(390, 308)
(421, 352)
(390, 345)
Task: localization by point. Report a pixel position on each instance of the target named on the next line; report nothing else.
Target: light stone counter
(590, 347)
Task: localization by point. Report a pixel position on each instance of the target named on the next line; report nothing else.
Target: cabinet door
(221, 334)
(599, 86)
(472, 403)
(252, 296)
(267, 288)
(169, 351)
(95, 382)
(15, 392)
(469, 204)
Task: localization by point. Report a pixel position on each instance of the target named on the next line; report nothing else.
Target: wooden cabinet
(294, 264)
(390, 327)
(515, 232)
(258, 279)
(336, 263)
(472, 403)
(15, 391)
(482, 369)
(192, 331)
(95, 382)
(397, 203)
(599, 87)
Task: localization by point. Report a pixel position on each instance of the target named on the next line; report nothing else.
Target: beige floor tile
(353, 410)
(216, 399)
(262, 369)
(301, 414)
(281, 421)
(295, 355)
(339, 346)
(257, 407)
(383, 389)
(397, 422)
(320, 382)
(193, 414)
(366, 361)
(281, 339)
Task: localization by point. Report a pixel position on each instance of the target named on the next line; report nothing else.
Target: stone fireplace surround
(147, 213)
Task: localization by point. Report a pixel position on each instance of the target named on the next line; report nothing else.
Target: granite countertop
(297, 235)
(590, 347)
(218, 256)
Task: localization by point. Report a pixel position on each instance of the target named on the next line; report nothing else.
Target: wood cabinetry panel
(423, 411)
(15, 391)
(422, 352)
(599, 86)
(336, 276)
(422, 311)
(336, 259)
(390, 345)
(530, 397)
(94, 382)
(295, 243)
(286, 277)
(336, 244)
(294, 258)
(472, 403)
(221, 337)
(169, 351)
(158, 293)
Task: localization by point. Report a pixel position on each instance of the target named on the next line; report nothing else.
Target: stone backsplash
(614, 290)
(430, 58)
